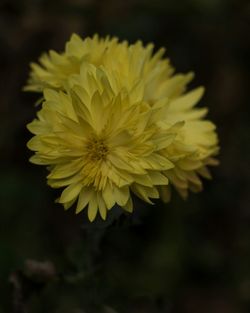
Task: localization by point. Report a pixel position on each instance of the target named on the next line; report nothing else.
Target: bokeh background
(185, 257)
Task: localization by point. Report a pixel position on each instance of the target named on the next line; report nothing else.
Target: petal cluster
(116, 120)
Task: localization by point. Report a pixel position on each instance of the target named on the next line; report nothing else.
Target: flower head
(194, 147)
(116, 120)
(129, 63)
(99, 144)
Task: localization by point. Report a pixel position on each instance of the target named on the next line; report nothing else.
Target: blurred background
(185, 257)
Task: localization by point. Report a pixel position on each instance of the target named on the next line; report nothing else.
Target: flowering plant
(117, 120)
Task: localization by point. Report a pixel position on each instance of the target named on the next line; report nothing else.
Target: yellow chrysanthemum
(129, 63)
(193, 148)
(122, 71)
(99, 144)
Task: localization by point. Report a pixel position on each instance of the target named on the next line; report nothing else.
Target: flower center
(97, 149)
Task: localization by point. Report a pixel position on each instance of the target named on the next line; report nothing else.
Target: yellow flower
(99, 144)
(129, 63)
(193, 148)
(105, 81)
(54, 68)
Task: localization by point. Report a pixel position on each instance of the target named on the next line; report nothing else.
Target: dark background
(185, 257)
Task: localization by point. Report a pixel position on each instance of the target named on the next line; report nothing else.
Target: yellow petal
(121, 195)
(129, 206)
(108, 196)
(84, 198)
(70, 192)
(92, 208)
(101, 206)
(188, 100)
